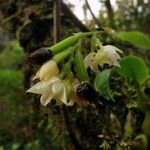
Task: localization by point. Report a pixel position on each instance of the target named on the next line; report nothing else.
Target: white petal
(113, 48)
(89, 59)
(106, 55)
(37, 88)
(56, 87)
(62, 95)
(46, 98)
(49, 70)
(40, 87)
(55, 79)
(70, 103)
(111, 55)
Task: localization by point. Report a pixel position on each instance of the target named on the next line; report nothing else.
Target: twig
(73, 18)
(110, 12)
(95, 19)
(57, 20)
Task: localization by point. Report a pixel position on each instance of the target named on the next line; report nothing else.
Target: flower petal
(40, 87)
(37, 88)
(112, 55)
(54, 79)
(62, 95)
(47, 71)
(56, 86)
(106, 55)
(89, 61)
(70, 103)
(112, 48)
(46, 98)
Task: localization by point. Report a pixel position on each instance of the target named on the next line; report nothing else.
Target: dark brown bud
(85, 90)
(39, 56)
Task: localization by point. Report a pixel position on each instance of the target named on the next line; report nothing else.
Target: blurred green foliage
(10, 81)
(12, 57)
(17, 119)
(11, 87)
(129, 15)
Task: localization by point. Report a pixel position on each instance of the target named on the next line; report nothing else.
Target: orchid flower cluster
(60, 82)
(50, 85)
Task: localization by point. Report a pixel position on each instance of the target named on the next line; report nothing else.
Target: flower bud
(47, 71)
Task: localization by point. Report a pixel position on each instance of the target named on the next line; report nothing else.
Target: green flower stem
(65, 70)
(61, 56)
(93, 43)
(57, 48)
(79, 63)
(68, 87)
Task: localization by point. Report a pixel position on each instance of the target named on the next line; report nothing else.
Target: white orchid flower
(51, 89)
(47, 71)
(106, 55)
(89, 61)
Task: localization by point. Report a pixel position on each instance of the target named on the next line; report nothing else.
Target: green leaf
(136, 38)
(133, 67)
(80, 67)
(101, 84)
(93, 43)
